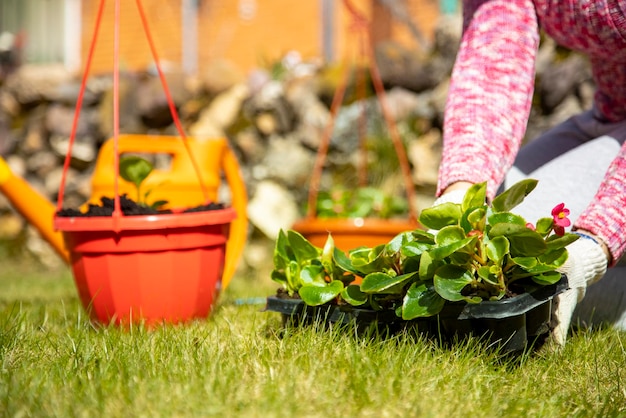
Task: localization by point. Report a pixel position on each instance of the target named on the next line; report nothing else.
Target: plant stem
(479, 259)
(502, 286)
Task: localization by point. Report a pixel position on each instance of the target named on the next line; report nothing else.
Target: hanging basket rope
(117, 210)
(360, 25)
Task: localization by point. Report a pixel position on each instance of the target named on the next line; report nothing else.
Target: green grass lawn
(238, 363)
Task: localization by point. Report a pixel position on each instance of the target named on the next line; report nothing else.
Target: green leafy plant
(310, 271)
(361, 202)
(135, 170)
(472, 252)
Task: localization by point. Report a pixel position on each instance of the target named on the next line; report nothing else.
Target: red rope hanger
(117, 211)
(360, 24)
(170, 101)
(79, 104)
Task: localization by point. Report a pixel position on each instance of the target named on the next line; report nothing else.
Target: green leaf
(497, 248)
(343, 262)
(460, 257)
(423, 237)
(525, 262)
(439, 253)
(506, 218)
(134, 169)
(544, 226)
(554, 242)
(513, 196)
(554, 258)
(507, 229)
(303, 250)
(411, 264)
(313, 275)
(415, 249)
(359, 254)
(475, 196)
(450, 280)
(428, 265)
(421, 300)
(450, 235)
(369, 260)
(327, 253)
(439, 216)
(476, 218)
(384, 283)
(400, 241)
(540, 268)
(292, 271)
(279, 277)
(353, 295)
(547, 278)
(524, 241)
(487, 274)
(319, 295)
(282, 251)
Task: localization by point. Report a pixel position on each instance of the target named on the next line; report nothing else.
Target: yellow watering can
(178, 184)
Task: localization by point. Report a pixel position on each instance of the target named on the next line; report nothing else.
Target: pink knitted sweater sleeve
(490, 92)
(492, 85)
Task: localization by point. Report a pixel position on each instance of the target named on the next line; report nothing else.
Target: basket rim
(144, 222)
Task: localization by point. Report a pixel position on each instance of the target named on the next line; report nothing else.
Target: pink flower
(559, 215)
(530, 226)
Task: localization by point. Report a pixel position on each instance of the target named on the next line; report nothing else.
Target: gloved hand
(585, 265)
(454, 196)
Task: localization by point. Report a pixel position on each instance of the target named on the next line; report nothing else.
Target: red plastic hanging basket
(154, 268)
(349, 233)
(147, 268)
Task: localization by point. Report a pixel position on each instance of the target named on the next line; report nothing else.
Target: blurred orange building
(248, 33)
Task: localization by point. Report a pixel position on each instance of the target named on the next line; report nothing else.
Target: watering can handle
(239, 226)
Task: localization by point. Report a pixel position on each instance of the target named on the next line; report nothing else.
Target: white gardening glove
(585, 265)
(455, 196)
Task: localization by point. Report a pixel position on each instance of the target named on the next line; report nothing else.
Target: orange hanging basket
(349, 233)
(146, 268)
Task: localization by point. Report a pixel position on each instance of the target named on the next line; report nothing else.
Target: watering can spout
(33, 206)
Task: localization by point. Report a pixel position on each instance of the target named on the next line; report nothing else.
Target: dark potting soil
(282, 293)
(129, 208)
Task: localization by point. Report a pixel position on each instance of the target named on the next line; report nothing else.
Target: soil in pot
(129, 208)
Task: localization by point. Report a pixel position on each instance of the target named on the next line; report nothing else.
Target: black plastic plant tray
(512, 324)
(367, 321)
(296, 312)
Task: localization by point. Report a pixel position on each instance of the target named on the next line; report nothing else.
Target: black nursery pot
(295, 312)
(367, 321)
(513, 324)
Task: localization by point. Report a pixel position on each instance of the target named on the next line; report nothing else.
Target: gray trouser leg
(570, 162)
